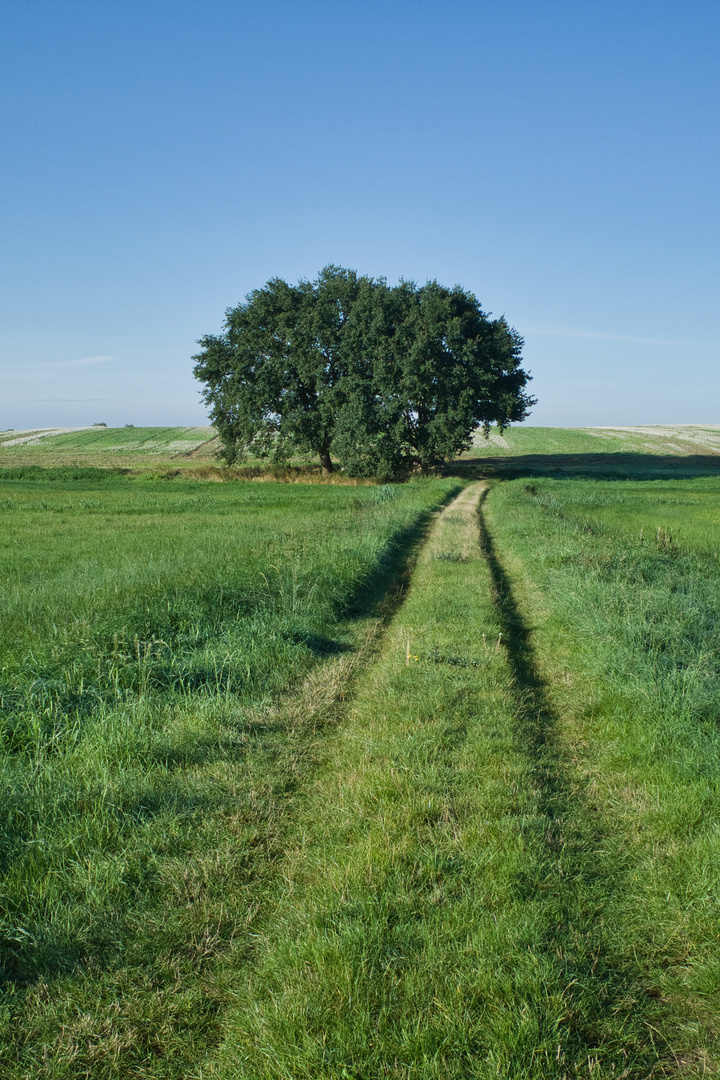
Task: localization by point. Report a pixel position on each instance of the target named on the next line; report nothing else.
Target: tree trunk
(326, 461)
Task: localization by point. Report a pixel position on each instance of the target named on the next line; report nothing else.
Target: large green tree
(273, 378)
(387, 378)
(439, 367)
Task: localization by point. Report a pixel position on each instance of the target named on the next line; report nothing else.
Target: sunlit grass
(663, 513)
(147, 631)
(508, 866)
(247, 836)
(622, 584)
(440, 915)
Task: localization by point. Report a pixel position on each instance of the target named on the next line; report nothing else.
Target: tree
(389, 379)
(273, 378)
(439, 368)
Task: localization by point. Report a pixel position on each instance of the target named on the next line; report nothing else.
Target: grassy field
(615, 591)
(195, 449)
(147, 633)
(278, 809)
(413, 942)
(508, 865)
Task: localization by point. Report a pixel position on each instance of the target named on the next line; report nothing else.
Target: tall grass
(497, 858)
(435, 921)
(490, 875)
(621, 582)
(147, 630)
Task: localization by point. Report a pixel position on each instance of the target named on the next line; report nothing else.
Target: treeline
(385, 379)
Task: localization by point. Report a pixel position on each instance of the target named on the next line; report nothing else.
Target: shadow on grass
(590, 466)
(385, 587)
(572, 875)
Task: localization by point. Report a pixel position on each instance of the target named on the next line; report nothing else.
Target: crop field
(673, 440)
(195, 448)
(417, 781)
(143, 447)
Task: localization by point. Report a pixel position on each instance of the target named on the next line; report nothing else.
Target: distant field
(141, 447)
(193, 447)
(674, 440)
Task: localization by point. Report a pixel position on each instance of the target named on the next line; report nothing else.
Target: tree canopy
(385, 378)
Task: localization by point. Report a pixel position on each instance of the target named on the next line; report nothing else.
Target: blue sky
(162, 159)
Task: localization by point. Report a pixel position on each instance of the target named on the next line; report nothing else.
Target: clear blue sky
(161, 159)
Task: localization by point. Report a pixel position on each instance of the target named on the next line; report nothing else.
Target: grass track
(437, 921)
(470, 894)
(502, 863)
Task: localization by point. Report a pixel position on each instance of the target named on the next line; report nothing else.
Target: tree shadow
(587, 466)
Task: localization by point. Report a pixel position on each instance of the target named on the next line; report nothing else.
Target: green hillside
(674, 440)
(141, 446)
(185, 447)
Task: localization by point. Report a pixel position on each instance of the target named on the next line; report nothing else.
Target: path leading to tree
(445, 888)
(407, 874)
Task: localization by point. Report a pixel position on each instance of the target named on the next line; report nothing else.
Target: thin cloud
(46, 367)
(597, 335)
(85, 361)
(89, 360)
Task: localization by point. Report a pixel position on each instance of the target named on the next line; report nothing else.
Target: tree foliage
(388, 379)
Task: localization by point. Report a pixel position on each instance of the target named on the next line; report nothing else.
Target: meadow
(512, 868)
(312, 781)
(148, 630)
(612, 592)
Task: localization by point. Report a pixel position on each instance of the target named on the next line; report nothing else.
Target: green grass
(672, 440)
(626, 638)
(248, 836)
(148, 631)
(437, 922)
(401, 945)
(508, 864)
(683, 514)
